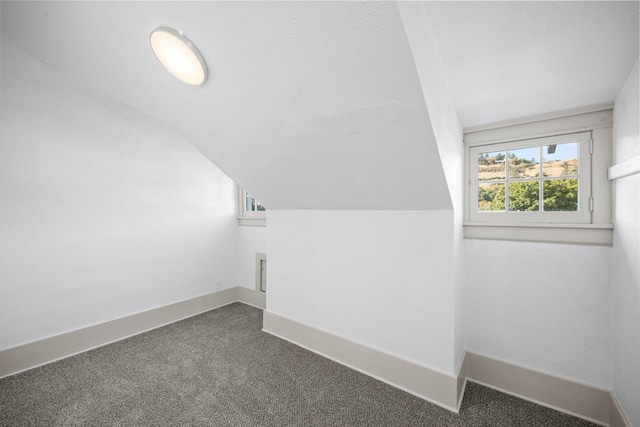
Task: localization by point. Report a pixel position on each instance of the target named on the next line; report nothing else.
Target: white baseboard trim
(252, 297)
(574, 398)
(462, 380)
(582, 400)
(31, 355)
(617, 417)
(422, 381)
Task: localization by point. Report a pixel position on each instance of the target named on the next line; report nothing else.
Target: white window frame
(592, 223)
(250, 218)
(581, 216)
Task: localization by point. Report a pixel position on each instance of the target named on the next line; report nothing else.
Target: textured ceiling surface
(317, 105)
(309, 105)
(513, 59)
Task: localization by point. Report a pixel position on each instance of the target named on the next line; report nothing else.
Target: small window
(541, 180)
(250, 210)
(251, 205)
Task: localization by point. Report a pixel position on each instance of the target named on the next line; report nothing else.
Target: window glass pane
(491, 166)
(524, 196)
(252, 205)
(561, 195)
(490, 197)
(524, 162)
(560, 159)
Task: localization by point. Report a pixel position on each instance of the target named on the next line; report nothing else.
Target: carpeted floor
(220, 369)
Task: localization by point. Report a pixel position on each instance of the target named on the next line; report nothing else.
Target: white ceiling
(308, 105)
(317, 105)
(518, 58)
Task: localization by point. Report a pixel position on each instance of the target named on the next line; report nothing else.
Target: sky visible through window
(514, 180)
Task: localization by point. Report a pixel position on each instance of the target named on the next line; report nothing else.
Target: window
(541, 178)
(250, 210)
(534, 180)
(251, 205)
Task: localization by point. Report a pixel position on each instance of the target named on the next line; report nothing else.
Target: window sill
(253, 222)
(584, 234)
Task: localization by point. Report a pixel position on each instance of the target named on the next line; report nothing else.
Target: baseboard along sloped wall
(27, 356)
(582, 400)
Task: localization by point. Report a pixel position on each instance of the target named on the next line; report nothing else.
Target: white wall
(104, 212)
(447, 134)
(541, 305)
(626, 253)
(381, 278)
(251, 240)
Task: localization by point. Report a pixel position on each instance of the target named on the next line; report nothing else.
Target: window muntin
(541, 180)
(251, 204)
(250, 207)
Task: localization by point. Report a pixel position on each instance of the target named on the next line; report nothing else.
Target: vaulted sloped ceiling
(508, 59)
(309, 105)
(318, 105)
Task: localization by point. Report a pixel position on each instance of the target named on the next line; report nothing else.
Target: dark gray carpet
(220, 369)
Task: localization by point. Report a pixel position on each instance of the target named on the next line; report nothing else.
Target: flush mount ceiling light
(178, 55)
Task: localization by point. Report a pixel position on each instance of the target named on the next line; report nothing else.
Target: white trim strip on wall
(429, 384)
(461, 374)
(626, 168)
(252, 297)
(571, 397)
(595, 108)
(577, 234)
(617, 417)
(31, 355)
(582, 400)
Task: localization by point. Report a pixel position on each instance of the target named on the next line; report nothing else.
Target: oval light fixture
(178, 55)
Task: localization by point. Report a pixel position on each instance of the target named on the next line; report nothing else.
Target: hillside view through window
(515, 179)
